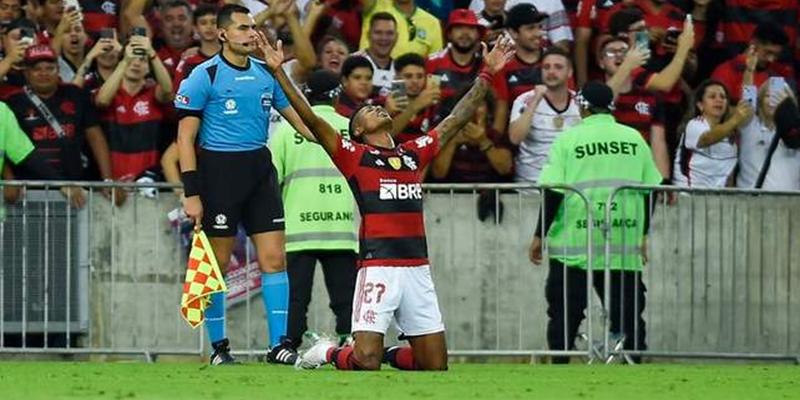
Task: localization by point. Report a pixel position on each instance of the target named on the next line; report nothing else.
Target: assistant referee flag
(203, 278)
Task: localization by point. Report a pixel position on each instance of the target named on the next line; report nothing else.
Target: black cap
(595, 94)
(523, 14)
(21, 23)
(322, 84)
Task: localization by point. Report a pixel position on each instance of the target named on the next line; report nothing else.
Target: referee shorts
(239, 187)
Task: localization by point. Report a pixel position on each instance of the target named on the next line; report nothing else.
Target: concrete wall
(727, 282)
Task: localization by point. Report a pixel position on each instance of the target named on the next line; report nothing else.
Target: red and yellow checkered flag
(203, 278)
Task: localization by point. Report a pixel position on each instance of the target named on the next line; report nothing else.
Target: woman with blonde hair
(757, 134)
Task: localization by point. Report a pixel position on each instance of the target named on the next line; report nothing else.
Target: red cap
(464, 17)
(38, 53)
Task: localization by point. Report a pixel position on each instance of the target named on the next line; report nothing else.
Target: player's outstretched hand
(502, 52)
(273, 56)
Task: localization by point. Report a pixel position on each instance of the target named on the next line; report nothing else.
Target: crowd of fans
(91, 82)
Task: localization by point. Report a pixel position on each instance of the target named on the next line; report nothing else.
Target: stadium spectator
(72, 52)
(133, 109)
(493, 17)
(10, 10)
(382, 38)
(20, 34)
(422, 94)
(417, 30)
(656, 70)
(59, 118)
(782, 171)
(205, 28)
(708, 152)
(524, 71)
(98, 64)
(635, 107)
(476, 154)
(356, 85)
(49, 14)
(741, 18)
(540, 115)
(457, 65)
(769, 41)
(557, 29)
(174, 30)
(332, 52)
(588, 34)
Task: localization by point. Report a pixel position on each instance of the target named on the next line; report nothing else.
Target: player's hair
(557, 51)
(202, 11)
(382, 16)
(225, 15)
(408, 59)
(351, 126)
(353, 62)
(621, 21)
(331, 38)
(770, 34)
(176, 4)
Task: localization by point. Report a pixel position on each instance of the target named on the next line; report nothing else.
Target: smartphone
(774, 88)
(750, 93)
(73, 5)
(436, 80)
(106, 33)
(26, 36)
(642, 39)
(399, 88)
(138, 31)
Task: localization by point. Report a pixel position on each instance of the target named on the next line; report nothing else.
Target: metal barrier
(107, 279)
(722, 275)
(96, 280)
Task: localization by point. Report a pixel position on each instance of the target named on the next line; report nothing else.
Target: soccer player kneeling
(394, 278)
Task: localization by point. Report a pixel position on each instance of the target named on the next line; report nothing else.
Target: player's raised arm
(493, 62)
(324, 134)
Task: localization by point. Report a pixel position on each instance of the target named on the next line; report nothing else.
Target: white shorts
(405, 294)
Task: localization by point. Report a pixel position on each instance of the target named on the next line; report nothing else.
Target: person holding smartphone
(100, 62)
(778, 163)
(133, 109)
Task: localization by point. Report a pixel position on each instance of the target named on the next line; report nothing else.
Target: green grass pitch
(132, 380)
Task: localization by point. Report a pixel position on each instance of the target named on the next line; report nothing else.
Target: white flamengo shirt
(709, 166)
(784, 170)
(547, 124)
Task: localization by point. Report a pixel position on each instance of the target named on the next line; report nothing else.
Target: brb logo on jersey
(391, 190)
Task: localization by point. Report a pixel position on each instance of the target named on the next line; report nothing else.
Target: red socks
(402, 358)
(343, 358)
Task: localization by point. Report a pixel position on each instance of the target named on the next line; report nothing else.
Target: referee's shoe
(284, 353)
(222, 354)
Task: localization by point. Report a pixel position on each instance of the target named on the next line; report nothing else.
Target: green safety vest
(318, 205)
(14, 144)
(595, 157)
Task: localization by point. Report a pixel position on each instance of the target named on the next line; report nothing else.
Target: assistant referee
(595, 157)
(226, 101)
(320, 214)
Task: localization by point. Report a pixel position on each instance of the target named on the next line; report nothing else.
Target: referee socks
(275, 293)
(215, 317)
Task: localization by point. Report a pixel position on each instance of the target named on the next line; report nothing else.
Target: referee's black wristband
(191, 183)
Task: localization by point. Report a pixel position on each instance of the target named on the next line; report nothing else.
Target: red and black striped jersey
(416, 127)
(132, 123)
(516, 78)
(639, 109)
(387, 185)
(669, 16)
(99, 14)
(455, 80)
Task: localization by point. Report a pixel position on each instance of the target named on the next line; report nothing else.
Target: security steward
(320, 214)
(594, 157)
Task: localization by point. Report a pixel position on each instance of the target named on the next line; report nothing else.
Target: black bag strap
(773, 145)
